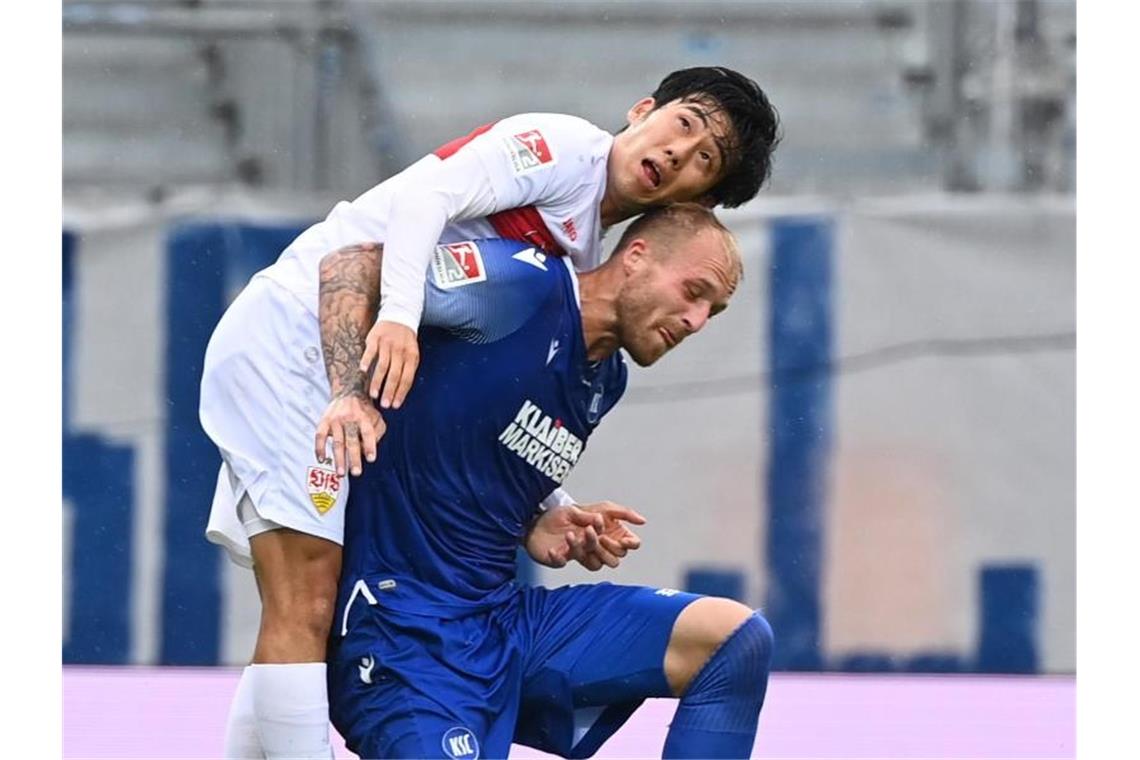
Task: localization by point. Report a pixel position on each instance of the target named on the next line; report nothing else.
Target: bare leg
(297, 578)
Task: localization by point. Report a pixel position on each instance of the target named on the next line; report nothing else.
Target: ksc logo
(460, 744)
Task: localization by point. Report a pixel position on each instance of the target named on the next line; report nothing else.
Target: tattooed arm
(349, 299)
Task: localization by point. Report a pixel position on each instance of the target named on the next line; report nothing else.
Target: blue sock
(718, 713)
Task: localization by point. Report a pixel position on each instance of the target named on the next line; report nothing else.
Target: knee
(705, 629)
(747, 642)
(739, 668)
(759, 642)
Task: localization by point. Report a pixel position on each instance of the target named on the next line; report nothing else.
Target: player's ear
(640, 110)
(633, 256)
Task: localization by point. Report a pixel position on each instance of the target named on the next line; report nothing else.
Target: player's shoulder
(487, 289)
(556, 121)
(496, 262)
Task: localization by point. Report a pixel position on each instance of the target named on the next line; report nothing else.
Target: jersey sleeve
(485, 290)
(530, 159)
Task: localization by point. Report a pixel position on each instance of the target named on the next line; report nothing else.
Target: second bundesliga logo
(528, 151)
(542, 441)
(455, 265)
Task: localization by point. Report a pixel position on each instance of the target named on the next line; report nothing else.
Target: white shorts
(264, 389)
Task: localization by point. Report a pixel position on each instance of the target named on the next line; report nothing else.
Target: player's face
(664, 302)
(671, 154)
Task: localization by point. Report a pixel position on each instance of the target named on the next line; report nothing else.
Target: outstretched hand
(593, 535)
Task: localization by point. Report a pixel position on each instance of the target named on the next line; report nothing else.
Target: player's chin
(645, 356)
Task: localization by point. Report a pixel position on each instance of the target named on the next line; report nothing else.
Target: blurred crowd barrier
(875, 443)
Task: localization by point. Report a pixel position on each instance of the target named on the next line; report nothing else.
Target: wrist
(355, 391)
(401, 314)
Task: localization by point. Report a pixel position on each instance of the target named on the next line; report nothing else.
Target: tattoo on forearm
(349, 298)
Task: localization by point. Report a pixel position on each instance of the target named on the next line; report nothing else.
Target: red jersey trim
(447, 150)
(526, 226)
(522, 224)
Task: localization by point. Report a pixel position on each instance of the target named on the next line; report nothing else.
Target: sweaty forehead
(713, 259)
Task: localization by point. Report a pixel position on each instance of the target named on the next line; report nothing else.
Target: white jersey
(535, 177)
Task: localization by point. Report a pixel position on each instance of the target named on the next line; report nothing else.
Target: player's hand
(355, 426)
(391, 356)
(593, 535)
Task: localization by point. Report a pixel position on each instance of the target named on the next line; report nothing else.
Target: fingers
(593, 549)
(583, 518)
(407, 373)
(380, 371)
(368, 440)
(321, 442)
(613, 546)
(556, 558)
(630, 540)
(614, 511)
(371, 349)
(338, 447)
(590, 540)
(579, 554)
(371, 431)
(352, 443)
(598, 549)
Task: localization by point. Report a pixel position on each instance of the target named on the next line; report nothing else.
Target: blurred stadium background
(875, 444)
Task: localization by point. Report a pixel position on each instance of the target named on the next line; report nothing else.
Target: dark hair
(755, 125)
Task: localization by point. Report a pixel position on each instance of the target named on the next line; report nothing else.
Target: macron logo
(366, 665)
(533, 257)
(551, 351)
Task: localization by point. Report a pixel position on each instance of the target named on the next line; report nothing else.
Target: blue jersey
(503, 403)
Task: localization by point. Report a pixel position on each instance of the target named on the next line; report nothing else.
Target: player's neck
(599, 313)
(613, 211)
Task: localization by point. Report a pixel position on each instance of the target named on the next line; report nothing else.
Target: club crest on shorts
(528, 151)
(460, 744)
(457, 264)
(324, 488)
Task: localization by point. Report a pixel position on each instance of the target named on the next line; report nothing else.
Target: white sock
(242, 742)
(292, 708)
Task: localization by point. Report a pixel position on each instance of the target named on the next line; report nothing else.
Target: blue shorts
(558, 670)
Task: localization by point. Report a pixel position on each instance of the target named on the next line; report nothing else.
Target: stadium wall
(874, 444)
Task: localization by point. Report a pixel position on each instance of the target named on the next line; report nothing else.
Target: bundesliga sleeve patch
(324, 488)
(528, 151)
(456, 265)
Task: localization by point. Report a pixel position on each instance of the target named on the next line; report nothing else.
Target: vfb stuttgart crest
(324, 488)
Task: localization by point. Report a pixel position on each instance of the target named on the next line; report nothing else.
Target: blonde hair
(669, 225)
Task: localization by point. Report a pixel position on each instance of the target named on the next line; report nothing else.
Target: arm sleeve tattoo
(349, 299)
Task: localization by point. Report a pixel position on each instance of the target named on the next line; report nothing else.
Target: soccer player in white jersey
(555, 181)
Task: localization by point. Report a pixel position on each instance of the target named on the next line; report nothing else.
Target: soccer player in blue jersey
(436, 651)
